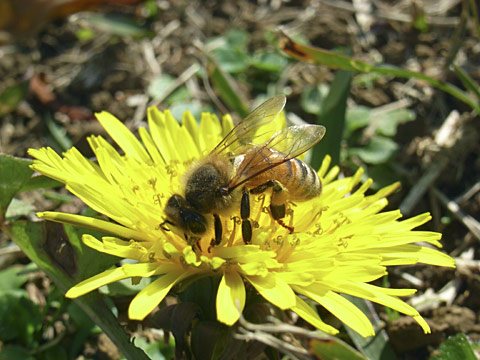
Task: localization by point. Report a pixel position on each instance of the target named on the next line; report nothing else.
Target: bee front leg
(163, 227)
(218, 229)
(245, 215)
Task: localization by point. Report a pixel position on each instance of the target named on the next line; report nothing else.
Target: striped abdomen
(302, 181)
(294, 175)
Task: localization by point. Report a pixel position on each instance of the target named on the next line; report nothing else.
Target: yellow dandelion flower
(340, 244)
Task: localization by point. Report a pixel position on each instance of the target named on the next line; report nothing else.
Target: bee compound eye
(194, 222)
(197, 228)
(176, 201)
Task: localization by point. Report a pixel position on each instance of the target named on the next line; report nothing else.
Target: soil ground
(71, 79)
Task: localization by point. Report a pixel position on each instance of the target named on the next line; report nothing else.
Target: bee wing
(287, 144)
(246, 130)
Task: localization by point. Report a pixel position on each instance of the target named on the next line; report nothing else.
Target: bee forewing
(287, 144)
(246, 130)
(295, 140)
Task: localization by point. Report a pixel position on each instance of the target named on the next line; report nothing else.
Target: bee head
(181, 214)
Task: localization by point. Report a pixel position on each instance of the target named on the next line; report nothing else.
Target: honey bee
(237, 167)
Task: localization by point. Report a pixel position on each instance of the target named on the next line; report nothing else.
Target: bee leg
(278, 211)
(197, 245)
(218, 229)
(261, 188)
(245, 215)
(163, 227)
(277, 206)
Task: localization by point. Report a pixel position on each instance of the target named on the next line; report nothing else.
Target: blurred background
(63, 60)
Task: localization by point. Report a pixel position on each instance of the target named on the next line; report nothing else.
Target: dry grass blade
(467, 220)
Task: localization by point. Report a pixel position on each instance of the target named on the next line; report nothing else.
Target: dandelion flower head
(342, 240)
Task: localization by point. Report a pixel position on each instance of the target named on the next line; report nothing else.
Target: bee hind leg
(278, 213)
(277, 205)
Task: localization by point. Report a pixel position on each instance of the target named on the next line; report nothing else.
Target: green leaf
(269, 61)
(232, 56)
(11, 278)
(84, 328)
(387, 122)
(319, 56)
(56, 196)
(159, 84)
(21, 317)
(313, 97)
(11, 97)
(202, 292)
(227, 89)
(151, 8)
(455, 347)
(232, 61)
(467, 81)
(83, 323)
(357, 117)
(15, 352)
(40, 182)
(366, 80)
(18, 208)
(57, 352)
(377, 151)
(125, 287)
(333, 348)
(58, 133)
(382, 175)
(475, 18)
(157, 350)
(332, 117)
(180, 95)
(211, 340)
(237, 38)
(14, 174)
(117, 24)
(160, 88)
(58, 250)
(420, 22)
(378, 347)
(178, 109)
(234, 39)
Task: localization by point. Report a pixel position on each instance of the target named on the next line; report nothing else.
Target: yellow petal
(150, 296)
(92, 223)
(150, 146)
(211, 132)
(116, 247)
(378, 295)
(343, 309)
(162, 133)
(189, 122)
(274, 290)
(109, 276)
(123, 137)
(230, 298)
(423, 254)
(308, 314)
